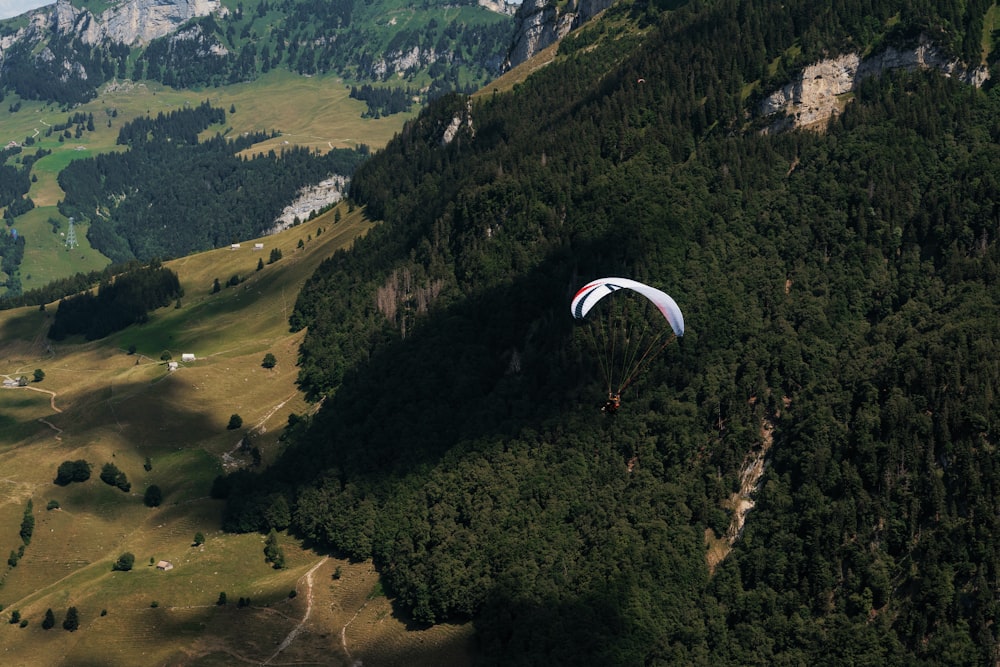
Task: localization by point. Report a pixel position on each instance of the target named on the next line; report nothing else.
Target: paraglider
(628, 330)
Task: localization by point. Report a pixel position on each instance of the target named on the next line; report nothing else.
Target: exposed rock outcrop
(311, 199)
(815, 95)
(38, 22)
(132, 22)
(541, 23)
(500, 6)
(459, 119)
(401, 61)
(741, 502)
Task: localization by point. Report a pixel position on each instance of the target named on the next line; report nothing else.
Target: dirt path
(52, 397)
(52, 394)
(343, 634)
(260, 424)
(229, 461)
(52, 426)
(287, 641)
(52, 404)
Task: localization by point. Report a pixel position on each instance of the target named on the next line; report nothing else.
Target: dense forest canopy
(841, 295)
(171, 194)
(121, 300)
(58, 289)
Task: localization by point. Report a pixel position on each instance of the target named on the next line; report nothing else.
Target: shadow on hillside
(186, 629)
(26, 324)
(503, 371)
(149, 414)
(497, 362)
(597, 627)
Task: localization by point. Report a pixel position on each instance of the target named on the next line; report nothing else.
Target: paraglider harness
(611, 406)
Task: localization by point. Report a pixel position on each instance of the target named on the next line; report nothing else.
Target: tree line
(63, 287)
(121, 301)
(15, 182)
(383, 101)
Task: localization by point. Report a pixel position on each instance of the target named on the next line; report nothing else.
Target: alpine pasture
(115, 401)
(316, 112)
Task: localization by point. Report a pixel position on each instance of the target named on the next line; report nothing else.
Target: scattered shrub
(153, 496)
(124, 562)
(112, 476)
(72, 620)
(72, 471)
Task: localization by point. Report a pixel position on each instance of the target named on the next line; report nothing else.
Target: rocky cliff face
(815, 96)
(131, 22)
(500, 6)
(541, 23)
(401, 61)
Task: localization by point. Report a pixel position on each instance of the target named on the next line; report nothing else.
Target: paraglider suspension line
(604, 356)
(655, 347)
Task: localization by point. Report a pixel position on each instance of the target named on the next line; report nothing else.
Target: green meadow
(316, 112)
(103, 404)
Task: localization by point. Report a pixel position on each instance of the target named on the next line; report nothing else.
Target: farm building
(172, 365)
(187, 357)
(235, 246)
(258, 246)
(164, 565)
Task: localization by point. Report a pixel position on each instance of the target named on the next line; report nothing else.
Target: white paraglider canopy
(625, 338)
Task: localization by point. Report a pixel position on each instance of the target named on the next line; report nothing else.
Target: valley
(313, 112)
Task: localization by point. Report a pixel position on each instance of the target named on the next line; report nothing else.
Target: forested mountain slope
(65, 52)
(838, 286)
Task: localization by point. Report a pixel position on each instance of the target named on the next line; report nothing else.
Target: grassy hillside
(101, 404)
(316, 112)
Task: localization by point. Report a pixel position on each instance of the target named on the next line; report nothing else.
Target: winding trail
(52, 404)
(52, 396)
(52, 426)
(287, 641)
(343, 633)
(227, 458)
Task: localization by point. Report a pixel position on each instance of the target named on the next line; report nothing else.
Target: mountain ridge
(133, 22)
(191, 43)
